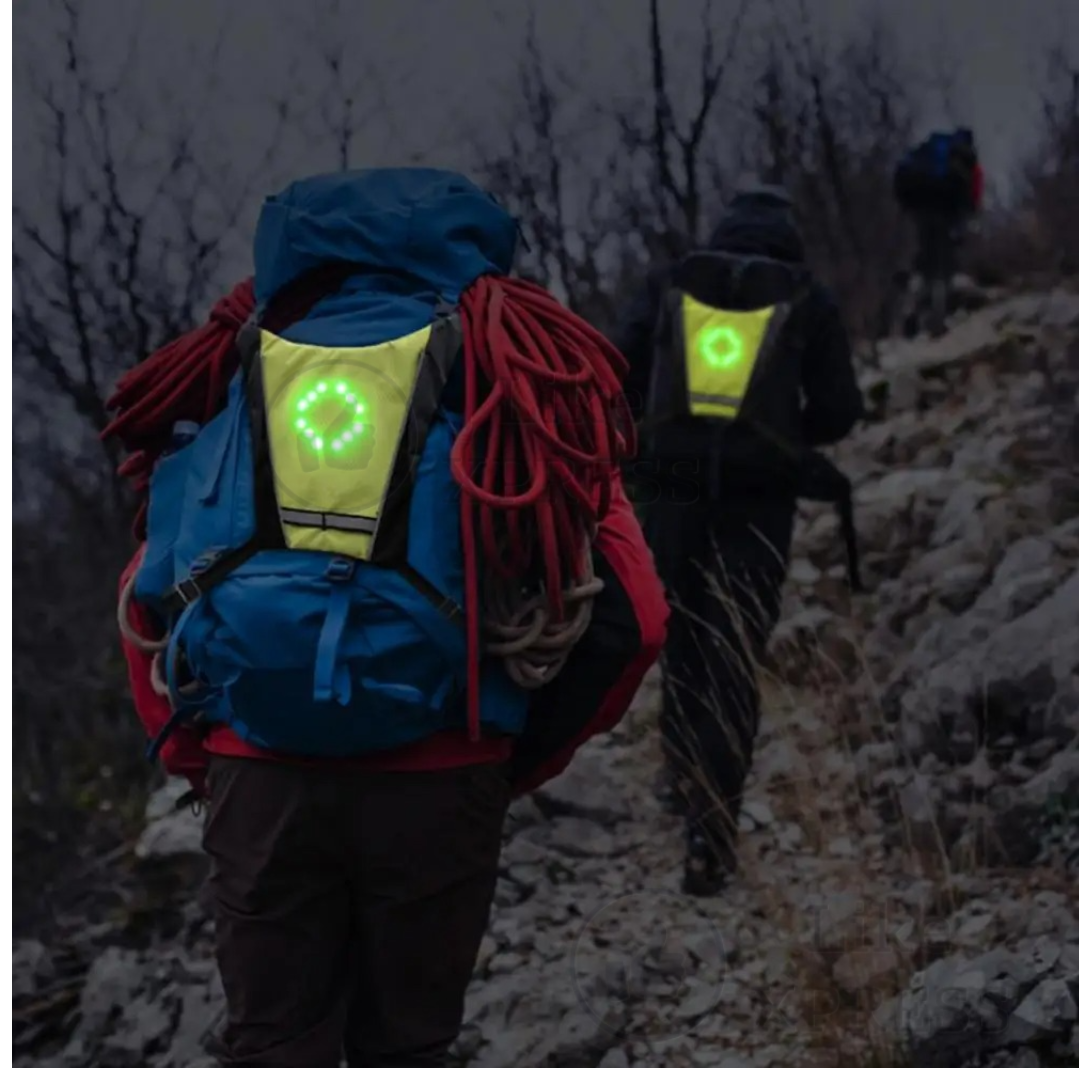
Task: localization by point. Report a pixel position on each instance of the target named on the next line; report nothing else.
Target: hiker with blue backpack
(386, 579)
(939, 183)
(740, 367)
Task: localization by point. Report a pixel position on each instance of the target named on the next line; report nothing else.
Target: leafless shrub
(607, 191)
(1052, 175)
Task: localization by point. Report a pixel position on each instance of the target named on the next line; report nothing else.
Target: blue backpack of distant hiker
(304, 547)
(936, 174)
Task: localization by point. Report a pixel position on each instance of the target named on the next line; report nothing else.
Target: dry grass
(857, 902)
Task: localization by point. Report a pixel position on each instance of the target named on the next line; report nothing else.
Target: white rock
(31, 965)
(1048, 1010)
(961, 505)
(172, 836)
(585, 789)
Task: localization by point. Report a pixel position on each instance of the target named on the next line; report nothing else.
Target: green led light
(322, 423)
(720, 346)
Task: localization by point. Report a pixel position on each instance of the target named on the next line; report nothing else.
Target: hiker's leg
(425, 866)
(687, 700)
(282, 917)
(939, 276)
(753, 543)
(680, 543)
(919, 282)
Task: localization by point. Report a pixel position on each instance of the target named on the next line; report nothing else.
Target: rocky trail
(911, 833)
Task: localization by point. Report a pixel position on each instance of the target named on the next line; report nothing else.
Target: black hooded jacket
(822, 375)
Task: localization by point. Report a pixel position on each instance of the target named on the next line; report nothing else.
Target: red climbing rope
(186, 379)
(545, 426)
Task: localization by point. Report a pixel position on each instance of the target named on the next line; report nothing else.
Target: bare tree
(122, 230)
(567, 179)
(606, 189)
(129, 222)
(120, 238)
(829, 122)
(1051, 176)
(347, 94)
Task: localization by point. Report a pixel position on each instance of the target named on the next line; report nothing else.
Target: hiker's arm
(633, 338)
(833, 401)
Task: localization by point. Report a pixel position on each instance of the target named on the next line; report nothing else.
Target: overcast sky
(443, 68)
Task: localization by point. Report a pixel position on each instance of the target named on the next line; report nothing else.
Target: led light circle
(720, 346)
(349, 416)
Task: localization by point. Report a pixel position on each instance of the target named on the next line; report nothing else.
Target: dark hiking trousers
(724, 563)
(349, 908)
(938, 240)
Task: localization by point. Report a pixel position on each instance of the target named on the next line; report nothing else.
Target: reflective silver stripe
(715, 399)
(340, 521)
(300, 517)
(351, 524)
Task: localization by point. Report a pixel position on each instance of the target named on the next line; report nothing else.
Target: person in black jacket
(720, 530)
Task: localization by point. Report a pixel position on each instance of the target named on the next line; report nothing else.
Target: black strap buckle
(188, 591)
(449, 609)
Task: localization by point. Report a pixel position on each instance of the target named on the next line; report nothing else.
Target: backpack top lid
(940, 144)
(430, 226)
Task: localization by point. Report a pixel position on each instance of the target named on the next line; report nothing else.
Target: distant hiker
(388, 577)
(939, 183)
(739, 364)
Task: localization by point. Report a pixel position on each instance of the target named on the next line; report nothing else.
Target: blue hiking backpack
(937, 173)
(304, 546)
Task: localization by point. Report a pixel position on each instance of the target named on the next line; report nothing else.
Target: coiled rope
(545, 426)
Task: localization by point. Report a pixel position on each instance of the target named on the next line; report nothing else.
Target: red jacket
(619, 540)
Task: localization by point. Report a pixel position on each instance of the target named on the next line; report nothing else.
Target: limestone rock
(31, 966)
(586, 790)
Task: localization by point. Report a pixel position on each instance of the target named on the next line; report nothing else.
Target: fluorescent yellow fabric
(721, 350)
(335, 418)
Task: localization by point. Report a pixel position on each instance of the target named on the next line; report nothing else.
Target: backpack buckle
(341, 570)
(188, 591)
(205, 561)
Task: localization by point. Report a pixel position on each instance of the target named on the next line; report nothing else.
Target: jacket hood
(433, 227)
(760, 221)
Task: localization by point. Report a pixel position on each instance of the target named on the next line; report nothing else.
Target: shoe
(667, 792)
(705, 874)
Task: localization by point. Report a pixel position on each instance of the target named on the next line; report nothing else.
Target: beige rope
(129, 632)
(519, 629)
(158, 680)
